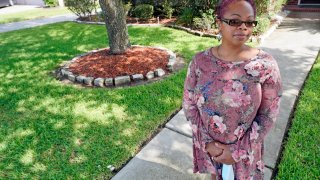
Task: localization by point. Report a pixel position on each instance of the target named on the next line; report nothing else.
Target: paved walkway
(36, 22)
(168, 155)
(295, 44)
(17, 8)
(30, 23)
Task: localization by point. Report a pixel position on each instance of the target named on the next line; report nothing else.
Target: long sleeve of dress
(248, 151)
(200, 135)
(190, 100)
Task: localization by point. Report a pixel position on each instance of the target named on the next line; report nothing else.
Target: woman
(231, 96)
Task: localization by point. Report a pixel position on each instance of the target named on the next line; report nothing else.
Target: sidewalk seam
(177, 131)
(269, 167)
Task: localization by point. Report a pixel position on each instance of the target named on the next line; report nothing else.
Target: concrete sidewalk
(295, 45)
(36, 22)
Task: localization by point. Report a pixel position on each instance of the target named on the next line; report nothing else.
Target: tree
(115, 19)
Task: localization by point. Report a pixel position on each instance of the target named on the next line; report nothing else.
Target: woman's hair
(223, 4)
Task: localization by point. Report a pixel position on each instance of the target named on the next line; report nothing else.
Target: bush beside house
(200, 14)
(82, 8)
(194, 14)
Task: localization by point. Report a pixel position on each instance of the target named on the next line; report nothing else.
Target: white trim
(310, 4)
(299, 3)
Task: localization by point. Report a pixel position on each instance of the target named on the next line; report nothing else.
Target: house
(303, 5)
(308, 2)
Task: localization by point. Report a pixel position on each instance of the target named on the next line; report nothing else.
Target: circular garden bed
(138, 65)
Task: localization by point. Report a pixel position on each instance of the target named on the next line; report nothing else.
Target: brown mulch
(164, 21)
(136, 60)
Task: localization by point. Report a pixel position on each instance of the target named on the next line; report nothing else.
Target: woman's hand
(213, 150)
(225, 157)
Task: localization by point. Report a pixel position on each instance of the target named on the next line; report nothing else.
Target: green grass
(301, 156)
(57, 131)
(33, 14)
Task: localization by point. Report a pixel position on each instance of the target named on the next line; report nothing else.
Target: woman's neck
(230, 52)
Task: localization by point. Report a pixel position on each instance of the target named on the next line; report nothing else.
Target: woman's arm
(190, 98)
(265, 118)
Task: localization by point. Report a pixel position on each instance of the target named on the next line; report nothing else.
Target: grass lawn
(33, 14)
(57, 131)
(301, 156)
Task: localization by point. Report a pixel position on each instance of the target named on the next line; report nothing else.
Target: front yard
(53, 130)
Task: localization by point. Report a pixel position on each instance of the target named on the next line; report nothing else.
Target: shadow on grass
(52, 130)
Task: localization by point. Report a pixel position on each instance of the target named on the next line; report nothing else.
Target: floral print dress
(234, 103)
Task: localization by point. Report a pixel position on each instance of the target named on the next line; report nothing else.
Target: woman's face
(237, 10)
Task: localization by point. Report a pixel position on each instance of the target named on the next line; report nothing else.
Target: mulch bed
(136, 60)
(133, 20)
(163, 21)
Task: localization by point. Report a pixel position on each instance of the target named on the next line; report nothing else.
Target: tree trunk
(115, 18)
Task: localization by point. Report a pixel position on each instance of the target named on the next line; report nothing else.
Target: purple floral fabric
(235, 103)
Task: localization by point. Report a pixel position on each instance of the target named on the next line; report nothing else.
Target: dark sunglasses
(237, 23)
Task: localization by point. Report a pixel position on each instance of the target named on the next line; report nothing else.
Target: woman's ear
(218, 24)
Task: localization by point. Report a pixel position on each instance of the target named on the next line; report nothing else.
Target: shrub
(278, 5)
(51, 3)
(127, 7)
(179, 6)
(203, 5)
(139, 2)
(186, 17)
(263, 24)
(101, 16)
(143, 11)
(167, 9)
(262, 7)
(82, 8)
(206, 21)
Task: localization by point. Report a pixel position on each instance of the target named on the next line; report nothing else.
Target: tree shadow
(302, 21)
(52, 130)
(166, 156)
